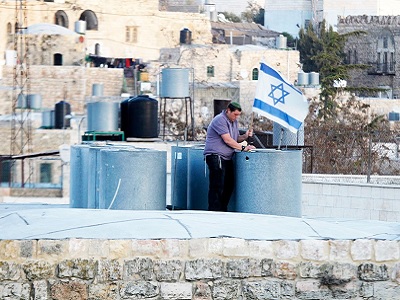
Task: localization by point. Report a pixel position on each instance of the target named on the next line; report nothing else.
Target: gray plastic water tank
(198, 178)
(97, 89)
(179, 176)
(133, 179)
(314, 78)
(102, 116)
(94, 175)
(175, 83)
(79, 168)
(269, 182)
(48, 119)
(303, 78)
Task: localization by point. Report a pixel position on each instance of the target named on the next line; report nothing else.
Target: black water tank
(220, 105)
(185, 36)
(62, 109)
(139, 117)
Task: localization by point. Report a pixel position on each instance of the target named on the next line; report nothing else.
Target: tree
(232, 17)
(253, 13)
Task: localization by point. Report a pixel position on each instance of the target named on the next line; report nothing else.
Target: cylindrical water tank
(175, 83)
(62, 109)
(281, 42)
(198, 180)
(34, 101)
(133, 179)
(286, 137)
(139, 117)
(79, 173)
(80, 27)
(11, 57)
(185, 36)
(220, 105)
(314, 78)
(303, 78)
(22, 101)
(179, 176)
(97, 89)
(48, 119)
(269, 182)
(102, 116)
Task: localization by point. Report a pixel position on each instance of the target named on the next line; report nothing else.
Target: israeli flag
(278, 100)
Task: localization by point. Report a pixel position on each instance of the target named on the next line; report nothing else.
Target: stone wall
(216, 268)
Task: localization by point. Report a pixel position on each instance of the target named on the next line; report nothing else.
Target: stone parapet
(216, 268)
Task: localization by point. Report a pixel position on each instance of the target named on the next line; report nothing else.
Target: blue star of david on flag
(278, 89)
(278, 100)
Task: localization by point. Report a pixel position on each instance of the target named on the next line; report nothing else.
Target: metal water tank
(80, 27)
(269, 182)
(133, 179)
(139, 117)
(314, 78)
(97, 89)
(303, 78)
(79, 174)
(34, 101)
(286, 137)
(62, 109)
(220, 105)
(48, 119)
(185, 36)
(175, 83)
(281, 42)
(22, 101)
(11, 58)
(102, 116)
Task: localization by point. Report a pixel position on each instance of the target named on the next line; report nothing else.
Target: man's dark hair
(234, 106)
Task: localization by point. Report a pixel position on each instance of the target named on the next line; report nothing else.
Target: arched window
(16, 28)
(91, 20)
(61, 18)
(9, 28)
(58, 59)
(254, 74)
(97, 49)
(210, 71)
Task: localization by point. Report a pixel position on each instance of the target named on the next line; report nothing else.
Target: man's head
(233, 111)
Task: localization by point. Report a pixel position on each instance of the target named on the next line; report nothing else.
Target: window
(58, 59)
(210, 71)
(391, 66)
(91, 20)
(307, 23)
(6, 171)
(45, 173)
(385, 42)
(61, 19)
(97, 49)
(9, 28)
(131, 34)
(254, 74)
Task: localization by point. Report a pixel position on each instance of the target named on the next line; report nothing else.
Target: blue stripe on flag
(277, 113)
(271, 72)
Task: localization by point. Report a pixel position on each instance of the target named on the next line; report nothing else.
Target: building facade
(289, 16)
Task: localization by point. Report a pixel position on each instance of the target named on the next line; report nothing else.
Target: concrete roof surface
(57, 221)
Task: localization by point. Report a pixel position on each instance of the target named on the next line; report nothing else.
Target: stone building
(376, 48)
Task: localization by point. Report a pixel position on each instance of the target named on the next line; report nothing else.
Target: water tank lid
(142, 98)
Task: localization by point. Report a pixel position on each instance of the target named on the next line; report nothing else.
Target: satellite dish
(65, 153)
(244, 74)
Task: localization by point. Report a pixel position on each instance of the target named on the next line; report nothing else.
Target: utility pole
(21, 128)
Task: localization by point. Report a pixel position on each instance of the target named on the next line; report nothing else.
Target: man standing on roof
(222, 140)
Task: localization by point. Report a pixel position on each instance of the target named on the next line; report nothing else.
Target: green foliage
(232, 17)
(291, 41)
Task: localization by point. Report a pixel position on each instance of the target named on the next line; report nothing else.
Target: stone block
(61, 290)
(286, 249)
(267, 267)
(147, 248)
(120, 248)
(261, 249)
(285, 270)
(339, 250)
(52, 248)
(361, 250)
(14, 291)
(235, 248)
(139, 289)
(198, 248)
(108, 270)
(203, 269)
(387, 291)
(261, 289)
(28, 249)
(366, 290)
(314, 250)
(77, 268)
(309, 270)
(373, 272)
(38, 270)
(337, 274)
(386, 251)
(104, 291)
(176, 290)
(40, 290)
(243, 268)
(174, 248)
(9, 249)
(312, 289)
(138, 269)
(9, 271)
(216, 246)
(99, 248)
(202, 291)
(78, 248)
(226, 289)
(171, 270)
